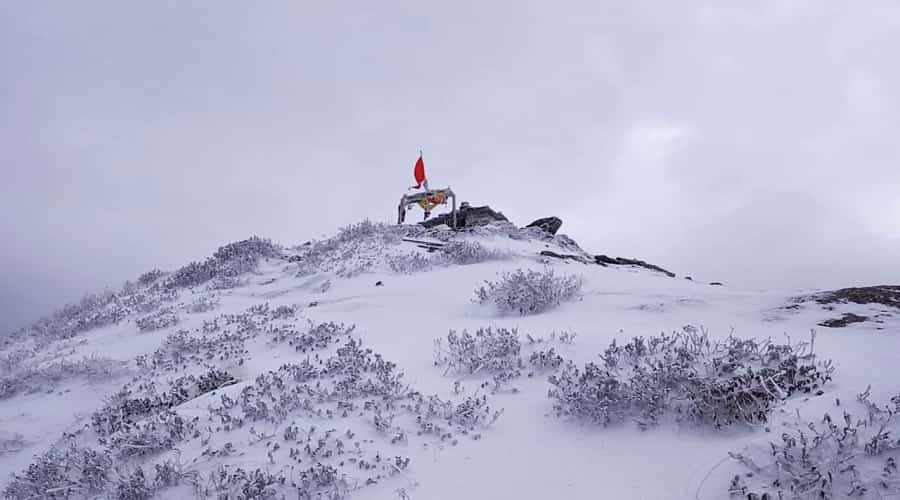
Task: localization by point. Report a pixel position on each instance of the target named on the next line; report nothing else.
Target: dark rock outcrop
(576, 258)
(467, 216)
(887, 295)
(548, 224)
(603, 260)
(846, 319)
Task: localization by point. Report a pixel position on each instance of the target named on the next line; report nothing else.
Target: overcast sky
(753, 143)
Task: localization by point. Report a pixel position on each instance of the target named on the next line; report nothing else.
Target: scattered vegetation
(163, 318)
(845, 457)
(34, 378)
(226, 264)
(690, 377)
(528, 291)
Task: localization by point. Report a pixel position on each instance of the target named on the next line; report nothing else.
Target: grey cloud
(695, 134)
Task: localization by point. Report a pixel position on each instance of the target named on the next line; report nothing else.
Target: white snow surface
(528, 452)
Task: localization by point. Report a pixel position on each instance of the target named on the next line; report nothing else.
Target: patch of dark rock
(379, 283)
(294, 258)
(846, 319)
(576, 258)
(689, 278)
(603, 260)
(888, 295)
(716, 283)
(548, 224)
(467, 216)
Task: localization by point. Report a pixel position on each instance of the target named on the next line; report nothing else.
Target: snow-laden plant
(529, 291)
(34, 378)
(163, 318)
(489, 350)
(124, 407)
(96, 310)
(846, 457)
(316, 336)
(133, 486)
(409, 263)
(226, 264)
(689, 377)
(203, 303)
(69, 471)
(156, 433)
(466, 252)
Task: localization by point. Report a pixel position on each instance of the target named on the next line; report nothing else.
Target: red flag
(419, 173)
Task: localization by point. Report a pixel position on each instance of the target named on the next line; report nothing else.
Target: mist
(749, 144)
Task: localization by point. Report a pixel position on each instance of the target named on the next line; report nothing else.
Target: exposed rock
(467, 216)
(603, 260)
(689, 278)
(846, 319)
(576, 258)
(548, 224)
(716, 283)
(379, 283)
(888, 295)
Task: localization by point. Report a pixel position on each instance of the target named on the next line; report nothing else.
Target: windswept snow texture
(291, 373)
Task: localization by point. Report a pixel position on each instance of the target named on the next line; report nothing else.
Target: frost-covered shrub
(203, 345)
(204, 303)
(123, 409)
(490, 350)
(149, 277)
(31, 379)
(465, 252)
(62, 473)
(11, 360)
(164, 318)
(409, 263)
(843, 457)
(689, 377)
(240, 483)
(229, 261)
(545, 360)
(95, 311)
(156, 433)
(317, 336)
(133, 486)
(528, 291)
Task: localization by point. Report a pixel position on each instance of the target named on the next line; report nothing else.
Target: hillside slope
(268, 371)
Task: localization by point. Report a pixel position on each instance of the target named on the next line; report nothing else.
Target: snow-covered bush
(494, 351)
(123, 408)
(409, 263)
(228, 262)
(317, 336)
(95, 311)
(133, 486)
(466, 252)
(68, 472)
(31, 379)
(545, 360)
(156, 433)
(528, 291)
(149, 277)
(164, 318)
(690, 377)
(203, 303)
(835, 458)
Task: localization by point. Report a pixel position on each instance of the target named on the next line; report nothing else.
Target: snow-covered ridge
(405, 362)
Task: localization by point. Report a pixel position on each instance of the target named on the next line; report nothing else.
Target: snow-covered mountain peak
(410, 362)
